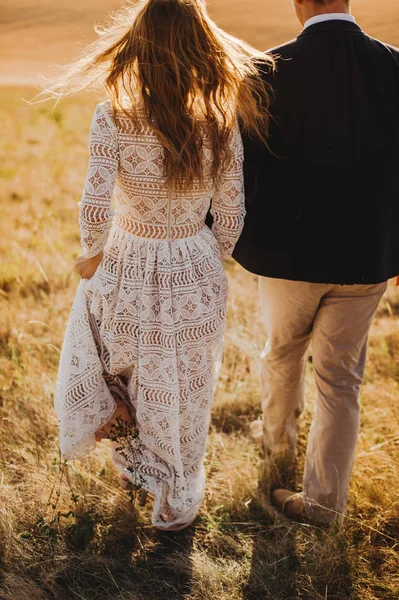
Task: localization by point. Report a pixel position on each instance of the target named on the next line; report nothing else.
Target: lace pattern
(95, 206)
(149, 325)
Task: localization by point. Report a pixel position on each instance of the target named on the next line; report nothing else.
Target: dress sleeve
(95, 213)
(228, 202)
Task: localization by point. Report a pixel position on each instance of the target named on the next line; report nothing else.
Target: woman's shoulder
(105, 110)
(103, 122)
(125, 111)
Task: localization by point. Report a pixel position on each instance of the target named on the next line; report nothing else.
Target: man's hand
(86, 267)
(397, 281)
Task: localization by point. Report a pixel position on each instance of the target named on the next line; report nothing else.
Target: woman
(143, 345)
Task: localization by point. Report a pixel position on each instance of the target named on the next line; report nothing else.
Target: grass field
(67, 532)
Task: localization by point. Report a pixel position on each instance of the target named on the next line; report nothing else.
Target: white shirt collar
(329, 17)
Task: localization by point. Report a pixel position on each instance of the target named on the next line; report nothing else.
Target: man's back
(323, 200)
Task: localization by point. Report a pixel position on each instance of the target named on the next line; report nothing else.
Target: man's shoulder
(284, 50)
(383, 46)
(296, 45)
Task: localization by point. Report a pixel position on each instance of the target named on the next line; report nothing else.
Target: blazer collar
(336, 25)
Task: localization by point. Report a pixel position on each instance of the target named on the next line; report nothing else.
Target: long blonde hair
(185, 71)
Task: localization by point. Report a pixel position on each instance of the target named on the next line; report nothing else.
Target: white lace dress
(148, 326)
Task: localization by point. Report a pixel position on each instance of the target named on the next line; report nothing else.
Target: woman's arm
(95, 206)
(228, 202)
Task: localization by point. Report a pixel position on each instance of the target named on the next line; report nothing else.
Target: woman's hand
(86, 267)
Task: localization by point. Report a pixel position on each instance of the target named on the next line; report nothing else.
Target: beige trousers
(337, 319)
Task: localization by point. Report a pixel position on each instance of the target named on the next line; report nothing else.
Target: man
(321, 232)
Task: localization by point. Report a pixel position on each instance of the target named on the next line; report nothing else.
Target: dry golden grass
(66, 531)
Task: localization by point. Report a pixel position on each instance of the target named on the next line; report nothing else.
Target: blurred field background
(66, 530)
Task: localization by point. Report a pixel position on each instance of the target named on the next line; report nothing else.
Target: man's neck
(336, 8)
